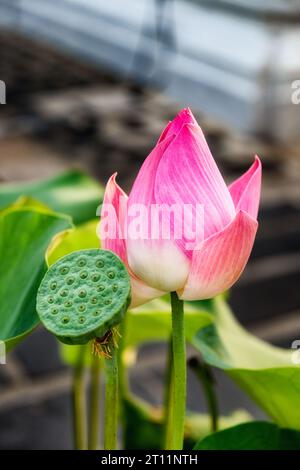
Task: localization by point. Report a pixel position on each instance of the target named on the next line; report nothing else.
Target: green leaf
(27, 202)
(198, 425)
(265, 372)
(148, 323)
(143, 425)
(79, 238)
(152, 322)
(73, 193)
(252, 436)
(24, 237)
(70, 353)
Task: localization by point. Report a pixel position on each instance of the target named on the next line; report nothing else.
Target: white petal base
(161, 264)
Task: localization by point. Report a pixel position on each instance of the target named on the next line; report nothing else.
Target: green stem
(204, 374)
(123, 378)
(178, 398)
(111, 401)
(95, 403)
(168, 396)
(124, 391)
(79, 402)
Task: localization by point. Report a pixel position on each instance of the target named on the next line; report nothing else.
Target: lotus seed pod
(83, 295)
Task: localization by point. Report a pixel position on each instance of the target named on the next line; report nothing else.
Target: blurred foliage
(143, 427)
(27, 202)
(264, 371)
(149, 323)
(28, 222)
(63, 243)
(72, 192)
(25, 233)
(152, 322)
(252, 436)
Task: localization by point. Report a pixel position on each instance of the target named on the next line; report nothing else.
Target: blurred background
(90, 84)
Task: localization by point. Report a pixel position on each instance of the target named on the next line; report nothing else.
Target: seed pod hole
(64, 270)
(81, 262)
(83, 275)
(111, 275)
(82, 293)
(65, 320)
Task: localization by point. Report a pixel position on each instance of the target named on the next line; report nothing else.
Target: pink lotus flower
(181, 171)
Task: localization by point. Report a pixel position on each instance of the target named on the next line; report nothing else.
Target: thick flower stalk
(201, 248)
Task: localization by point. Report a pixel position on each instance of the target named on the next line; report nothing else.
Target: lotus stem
(79, 402)
(95, 397)
(111, 401)
(175, 425)
(168, 396)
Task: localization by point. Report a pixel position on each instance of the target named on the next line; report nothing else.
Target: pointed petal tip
(255, 166)
(112, 188)
(187, 115)
(256, 158)
(188, 174)
(257, 162)
(113, 215)
(245, 191)
(112, 180)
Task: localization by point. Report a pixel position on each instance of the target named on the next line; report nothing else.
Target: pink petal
(185, 116)
(245, 191)
(188, 174)
(221, 259)
(142, 197)
(152, 258)
(142, 191)
(113, 214)
(141, 293)
(117, 200)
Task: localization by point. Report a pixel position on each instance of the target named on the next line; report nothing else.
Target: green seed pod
(83, 295)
